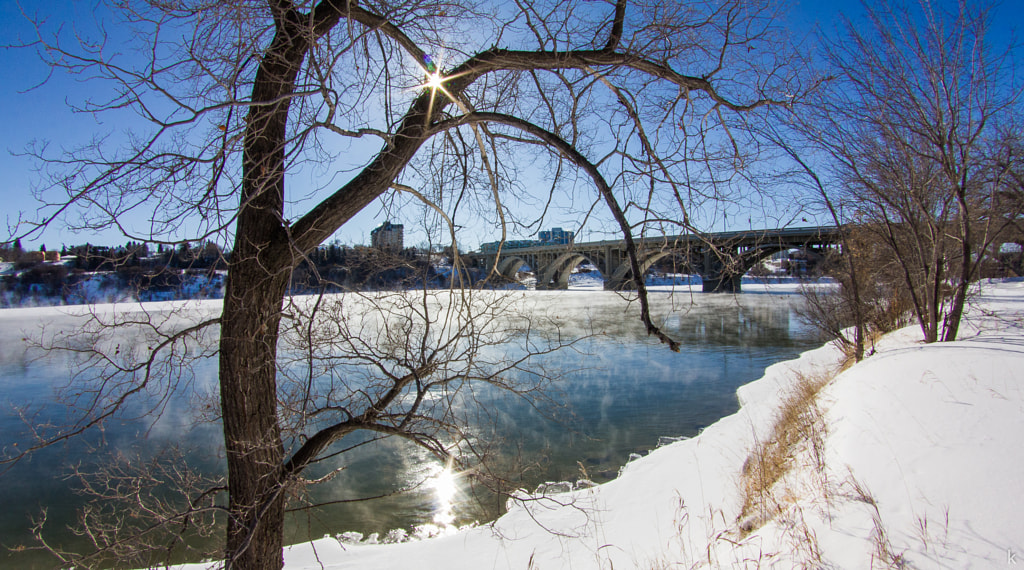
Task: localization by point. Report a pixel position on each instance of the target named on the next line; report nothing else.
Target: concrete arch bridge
(721, 259)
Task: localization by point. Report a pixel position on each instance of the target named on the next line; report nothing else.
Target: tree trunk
(258, 277)
(255, 453)
(956, 310)
(933, 288)
(860, 323)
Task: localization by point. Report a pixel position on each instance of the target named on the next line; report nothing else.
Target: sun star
(435, 80)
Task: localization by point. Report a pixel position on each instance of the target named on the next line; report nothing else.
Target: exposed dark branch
(603, 188)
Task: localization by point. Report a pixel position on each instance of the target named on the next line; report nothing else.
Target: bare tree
(1005, 161)
(919, 95)
(638, 103)
(831, 312)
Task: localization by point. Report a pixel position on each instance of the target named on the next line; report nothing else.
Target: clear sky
(30, 114)
(42, 113)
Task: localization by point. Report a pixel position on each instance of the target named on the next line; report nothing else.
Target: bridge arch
(555, 275)
(750, 258)
(509, 267)
(622, 277)
(724, 274)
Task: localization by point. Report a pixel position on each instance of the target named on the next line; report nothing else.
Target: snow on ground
(923, 462)
(924, 454)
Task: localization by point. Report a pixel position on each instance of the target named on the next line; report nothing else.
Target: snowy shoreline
(922, 467)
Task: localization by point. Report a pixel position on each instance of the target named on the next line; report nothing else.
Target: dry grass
(798, 427)
(884, 555)
(871, 338)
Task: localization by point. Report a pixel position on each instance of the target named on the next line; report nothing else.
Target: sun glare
(445, 488)
(435, 80)
(434, 83)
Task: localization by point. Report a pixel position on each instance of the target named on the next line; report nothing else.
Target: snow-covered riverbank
(923, 456)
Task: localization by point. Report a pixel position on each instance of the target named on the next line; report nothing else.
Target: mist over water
(616, 392)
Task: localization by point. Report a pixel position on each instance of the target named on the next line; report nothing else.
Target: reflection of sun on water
(445, 489)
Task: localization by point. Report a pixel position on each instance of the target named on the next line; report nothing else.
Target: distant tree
(1006, 165)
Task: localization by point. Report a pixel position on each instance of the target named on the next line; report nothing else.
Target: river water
(617, 393)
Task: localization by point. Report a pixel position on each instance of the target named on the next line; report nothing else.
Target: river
(617, 393)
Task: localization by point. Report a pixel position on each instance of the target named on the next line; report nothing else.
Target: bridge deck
(722, 257)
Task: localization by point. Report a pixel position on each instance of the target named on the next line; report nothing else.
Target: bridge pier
(627, 285)
(722, 283)
(720, 272)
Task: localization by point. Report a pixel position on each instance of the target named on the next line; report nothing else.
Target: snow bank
(923, 465)
(924, 456)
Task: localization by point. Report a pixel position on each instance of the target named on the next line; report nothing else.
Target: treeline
(335, 268)
(90, 273)
(150, 258)
(151, 272)
(88, 257)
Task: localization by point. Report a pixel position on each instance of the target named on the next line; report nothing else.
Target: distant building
(554, 236)
(557, 236)
(388, 236)
(40, 256)
(492, 246)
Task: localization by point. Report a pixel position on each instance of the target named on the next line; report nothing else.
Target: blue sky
(42, 113)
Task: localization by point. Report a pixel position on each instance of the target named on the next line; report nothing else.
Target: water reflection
(446, 486)
(618, 392)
